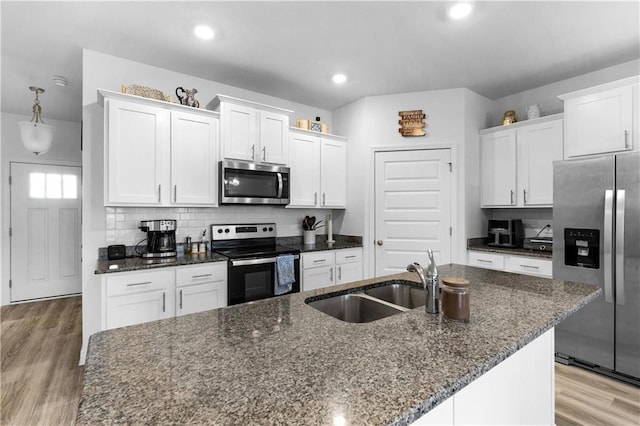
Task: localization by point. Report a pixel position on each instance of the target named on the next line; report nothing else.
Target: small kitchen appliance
(252, 252)
(250, 183)
(161, 237)
(505, 233)
(538, 244)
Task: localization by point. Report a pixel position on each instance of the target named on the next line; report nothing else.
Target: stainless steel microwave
(250, 183)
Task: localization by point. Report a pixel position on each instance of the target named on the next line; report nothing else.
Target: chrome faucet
(430, 282)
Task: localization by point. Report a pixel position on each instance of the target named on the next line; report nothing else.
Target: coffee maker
(161, 237)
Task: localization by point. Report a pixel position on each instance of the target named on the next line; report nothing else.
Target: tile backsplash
(122, 222)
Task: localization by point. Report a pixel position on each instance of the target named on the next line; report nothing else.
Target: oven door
(254, 279)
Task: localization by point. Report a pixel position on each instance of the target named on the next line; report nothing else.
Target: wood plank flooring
(41, 381)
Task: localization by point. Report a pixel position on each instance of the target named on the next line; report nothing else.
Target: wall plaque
(412, 123)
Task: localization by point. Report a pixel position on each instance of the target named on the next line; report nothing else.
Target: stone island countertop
(280, 361)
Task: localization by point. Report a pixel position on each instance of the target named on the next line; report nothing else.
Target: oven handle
(280, 185)
(261, 261)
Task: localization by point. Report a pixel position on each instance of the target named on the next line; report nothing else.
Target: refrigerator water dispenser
(582, 248)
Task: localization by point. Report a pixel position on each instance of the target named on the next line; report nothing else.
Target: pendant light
(36, 136)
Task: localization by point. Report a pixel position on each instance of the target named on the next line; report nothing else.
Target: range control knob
(264, 229)
(226, 231)
(270, 229)
(219, 230)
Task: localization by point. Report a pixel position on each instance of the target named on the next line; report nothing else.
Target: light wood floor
(41, 382)
(40, 344)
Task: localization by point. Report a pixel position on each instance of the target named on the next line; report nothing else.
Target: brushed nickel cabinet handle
(331, 274)
(511, 197)
(164, 299)
(324, 198)
(141, 283)
(159, 193)
(180, 299)
(524, 194)
(253, 152)
(339, 272)
(315, 198)
(264, 153)
(175, 193)
(201, 276)
(626, 139)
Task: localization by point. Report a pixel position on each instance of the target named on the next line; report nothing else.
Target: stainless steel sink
(370, 304)
(354, 307)
(404, 295)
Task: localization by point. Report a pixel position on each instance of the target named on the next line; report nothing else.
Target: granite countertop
(139, 263)
(135, 263)
(280, 361)
(480, 244)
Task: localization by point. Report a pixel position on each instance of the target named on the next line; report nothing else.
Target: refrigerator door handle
(620, 201)
(608, 243)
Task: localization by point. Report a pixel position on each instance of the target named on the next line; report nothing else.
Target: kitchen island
(280, 361)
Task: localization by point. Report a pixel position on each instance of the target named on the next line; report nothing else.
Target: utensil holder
(309, 237)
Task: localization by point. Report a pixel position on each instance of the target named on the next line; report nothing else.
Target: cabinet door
(137, 308)
(201, 297)
(137, 157)
(313, 278)
(348, 272)
(239, 133)
(333, 173)
(304, 153)
(600, 122)
(193, 159)
(274, 138)
(498, 152)
(539, 146)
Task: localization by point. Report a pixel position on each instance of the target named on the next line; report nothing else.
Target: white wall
(102, 226)
(64, 151)
(453, 119)
(547, 95)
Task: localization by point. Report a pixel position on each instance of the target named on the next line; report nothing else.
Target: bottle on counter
(187, 245)
(455, 298)
(203, 242)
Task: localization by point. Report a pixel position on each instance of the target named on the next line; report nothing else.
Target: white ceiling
(291, 49)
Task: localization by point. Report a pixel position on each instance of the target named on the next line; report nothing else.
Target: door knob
(379, 242)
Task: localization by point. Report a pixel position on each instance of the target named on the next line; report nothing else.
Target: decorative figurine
(188, 97)
(509, 117)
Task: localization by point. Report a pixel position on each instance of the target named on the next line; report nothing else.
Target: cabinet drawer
(188, 275)
(319, 258)
(529, 265)
(137, 282)
(348, 256)
(486, 260)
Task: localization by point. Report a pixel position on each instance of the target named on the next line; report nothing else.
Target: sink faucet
(429, 282)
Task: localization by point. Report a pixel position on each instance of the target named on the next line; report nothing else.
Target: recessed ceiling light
(203, 32)
(460, 10)
(339, 78)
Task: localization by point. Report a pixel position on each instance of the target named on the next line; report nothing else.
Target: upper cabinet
(602, 119)
(157, 153)
(253, 132)
(517, 162)
(318, 170)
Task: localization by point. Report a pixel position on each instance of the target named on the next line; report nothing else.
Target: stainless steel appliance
(161, 237)
(505, 233)
(596, 211)
(252, 251)
(250, 183)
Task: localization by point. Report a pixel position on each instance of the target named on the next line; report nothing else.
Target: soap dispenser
(433, 283)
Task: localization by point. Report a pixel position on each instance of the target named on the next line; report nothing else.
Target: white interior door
(412, 208)
(45, 231)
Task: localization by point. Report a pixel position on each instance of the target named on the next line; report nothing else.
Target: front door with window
(45, 231)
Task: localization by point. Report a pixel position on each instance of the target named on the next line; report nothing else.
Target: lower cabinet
(200, 288)
(511, 263)
(130, 298)
(517, 391)
(330, 267)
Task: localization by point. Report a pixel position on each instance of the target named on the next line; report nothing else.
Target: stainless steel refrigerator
(596, 240)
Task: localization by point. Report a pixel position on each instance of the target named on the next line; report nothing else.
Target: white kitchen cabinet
(517, 162)
(329, 267)
(136, 156)
(135, 297)
(201, 287)
(333, 173)
(157, 153)
(498, 167)
(194, 159)
(253, 132)
(528, 265)
(318, 170)
(602, 119)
